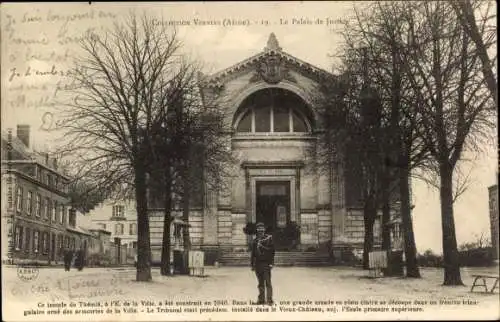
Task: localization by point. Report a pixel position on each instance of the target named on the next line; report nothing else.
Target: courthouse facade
(272, 127)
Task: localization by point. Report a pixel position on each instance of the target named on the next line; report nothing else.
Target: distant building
(493, 203)
(37, 223)
(119, 218)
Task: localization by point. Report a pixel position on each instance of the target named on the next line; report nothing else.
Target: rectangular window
(38, 205)
(133, 229)
(60, 243)
(42, 207)
(29, 203)
(19, 238)
(119, 229)
(47, 208)
(45, 243)
(62, 215)
(19, 199)
(72, 217)
(36, 241)
(27, 244)
(38, 172)
(118, 211)
(54, 212)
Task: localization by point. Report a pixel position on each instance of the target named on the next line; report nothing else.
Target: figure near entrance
(262, 261)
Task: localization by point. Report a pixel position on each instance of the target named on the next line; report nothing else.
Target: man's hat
(259, 224)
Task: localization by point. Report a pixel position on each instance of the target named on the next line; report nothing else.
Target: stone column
(223, 209)
(296, 215)
(338, 203)
(248, 202)
(324, 203)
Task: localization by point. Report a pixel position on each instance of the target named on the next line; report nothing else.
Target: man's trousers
(263, 272)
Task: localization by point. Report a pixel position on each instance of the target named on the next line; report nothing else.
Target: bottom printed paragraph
(327, 307)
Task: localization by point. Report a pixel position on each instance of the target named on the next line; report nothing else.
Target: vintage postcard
(178, 161)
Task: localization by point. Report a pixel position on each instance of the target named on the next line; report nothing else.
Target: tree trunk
(386, 227)
(143, 241)
(386, 214)
(167, 210)
(185, 207)
(370, 212)
(410, 249)
(450, 252)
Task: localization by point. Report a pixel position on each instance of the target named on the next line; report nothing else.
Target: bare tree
(189, 145)
(351, 132)
(121, 86)
(452, 103)
(482, 34)
(378, 31)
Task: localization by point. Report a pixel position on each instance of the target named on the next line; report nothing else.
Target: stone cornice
(224, 207)
(326, 206)
(272, 164)
(272, 136)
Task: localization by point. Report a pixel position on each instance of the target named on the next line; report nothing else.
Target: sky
(39, 40)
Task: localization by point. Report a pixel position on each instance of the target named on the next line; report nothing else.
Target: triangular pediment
(272, 65)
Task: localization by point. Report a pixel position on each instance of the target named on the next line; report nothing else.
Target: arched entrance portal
(273, 129)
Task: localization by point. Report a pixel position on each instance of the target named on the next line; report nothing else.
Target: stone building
(119, 218)
(36, 219)
(271, 128)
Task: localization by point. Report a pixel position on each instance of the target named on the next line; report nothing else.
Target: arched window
(272, 111)
(273, 119)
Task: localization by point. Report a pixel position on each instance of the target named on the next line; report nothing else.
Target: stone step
(294, 258)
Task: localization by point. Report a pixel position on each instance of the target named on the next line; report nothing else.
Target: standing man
(262, 260)
(68, 257)
(80, 259)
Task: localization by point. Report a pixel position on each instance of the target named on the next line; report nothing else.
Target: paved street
(292, 284)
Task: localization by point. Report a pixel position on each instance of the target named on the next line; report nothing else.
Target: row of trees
(138, 126)
(414, 94)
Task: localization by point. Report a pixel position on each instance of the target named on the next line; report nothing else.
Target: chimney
(23, 134)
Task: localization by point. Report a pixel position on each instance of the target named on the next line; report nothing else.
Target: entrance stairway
(289, 258)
